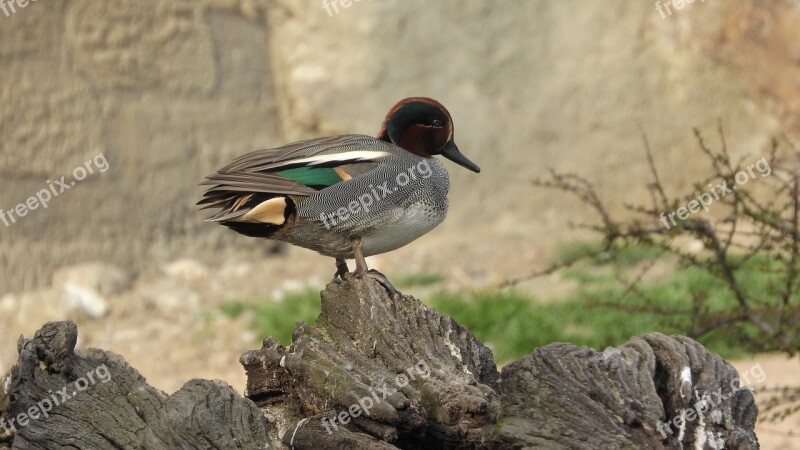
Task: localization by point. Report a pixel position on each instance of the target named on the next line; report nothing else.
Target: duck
(349, 196)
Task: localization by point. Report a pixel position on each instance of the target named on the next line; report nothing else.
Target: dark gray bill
(452, 153)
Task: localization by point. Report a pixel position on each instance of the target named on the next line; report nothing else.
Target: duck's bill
(452, 153)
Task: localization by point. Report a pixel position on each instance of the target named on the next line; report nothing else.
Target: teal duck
(347, 196)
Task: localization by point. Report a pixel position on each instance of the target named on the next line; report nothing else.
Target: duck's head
(424, 127)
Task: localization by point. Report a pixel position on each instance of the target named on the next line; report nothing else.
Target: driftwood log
(383, 371)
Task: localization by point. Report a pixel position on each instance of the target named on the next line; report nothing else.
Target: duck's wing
(255, 182)
(319, 152)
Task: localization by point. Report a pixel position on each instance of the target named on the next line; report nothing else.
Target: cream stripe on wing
(360, 155)
(270, 211)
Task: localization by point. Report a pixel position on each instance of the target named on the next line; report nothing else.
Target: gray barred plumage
(394, 215)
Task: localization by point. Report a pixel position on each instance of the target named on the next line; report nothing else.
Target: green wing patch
(312, 176)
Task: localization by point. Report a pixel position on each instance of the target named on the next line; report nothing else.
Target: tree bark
(383, 371)
(113, 407)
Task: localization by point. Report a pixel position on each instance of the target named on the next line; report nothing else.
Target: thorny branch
(757, 220)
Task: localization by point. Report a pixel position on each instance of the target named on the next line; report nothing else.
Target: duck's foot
(372, 273)
(341, 271)
(381, 278)
(361, 269)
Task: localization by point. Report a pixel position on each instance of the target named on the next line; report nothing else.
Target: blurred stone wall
(170, 90)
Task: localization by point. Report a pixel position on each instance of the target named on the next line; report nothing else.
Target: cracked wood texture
(380, 370)
(559, 397)
(94, 400)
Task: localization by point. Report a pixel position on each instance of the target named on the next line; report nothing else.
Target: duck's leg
(358, 254)
(362, 270)
(341, 270)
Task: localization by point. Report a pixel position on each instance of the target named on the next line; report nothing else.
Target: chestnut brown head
(423, 126)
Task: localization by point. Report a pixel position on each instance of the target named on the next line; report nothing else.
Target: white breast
(406, 225)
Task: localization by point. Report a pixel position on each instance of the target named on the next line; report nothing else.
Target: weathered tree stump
(560, 396)
(384, 371)
(59, 398)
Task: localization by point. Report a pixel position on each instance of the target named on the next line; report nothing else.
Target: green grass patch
(511, 323)
(599, 255)
(418, 279)
(514, 323)
(277, 318)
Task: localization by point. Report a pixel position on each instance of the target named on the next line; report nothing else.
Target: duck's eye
(436, 122)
